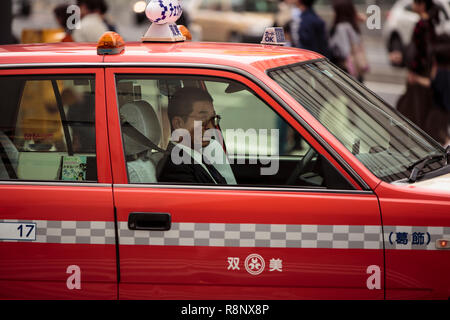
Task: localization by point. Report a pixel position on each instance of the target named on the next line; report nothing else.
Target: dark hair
(182, 101)
(345, 11)
(307, 3)
(428, 3)
(61, 14)
(432, 10)
(94, 5)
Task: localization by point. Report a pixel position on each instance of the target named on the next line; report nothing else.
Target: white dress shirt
(91, 29)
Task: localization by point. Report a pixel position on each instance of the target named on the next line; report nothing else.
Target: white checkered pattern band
(83, 232)
(241, 235)
(257, 235)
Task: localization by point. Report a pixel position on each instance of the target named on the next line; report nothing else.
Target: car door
(57, 238)
(258, 237)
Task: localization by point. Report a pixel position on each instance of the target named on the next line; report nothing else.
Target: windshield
(374, 132)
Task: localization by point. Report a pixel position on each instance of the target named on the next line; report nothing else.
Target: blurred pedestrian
(103, 11)
(288, 17)
(440, 83)
(310, 28)
(92, 25)
(419, 103)
(438, 121)
(6, 35)
(61, 17)
(346, 46)
(287, 34)
(294, 25)
(284, 14)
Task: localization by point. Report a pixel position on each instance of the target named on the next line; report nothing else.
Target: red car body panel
(29, 268)
(62, 53)
(420, 273)
(319, 270)
(38, 270)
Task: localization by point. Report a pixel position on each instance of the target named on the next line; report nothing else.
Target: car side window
(47, 128)
(205, 130)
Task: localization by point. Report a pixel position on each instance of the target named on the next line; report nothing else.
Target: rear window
(47, 128)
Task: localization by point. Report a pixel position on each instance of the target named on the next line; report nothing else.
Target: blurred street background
(385, 80)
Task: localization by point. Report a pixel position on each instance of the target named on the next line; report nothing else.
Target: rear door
(293, 225)
(57, 238)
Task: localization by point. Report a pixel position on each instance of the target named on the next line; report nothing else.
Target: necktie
(214, 173)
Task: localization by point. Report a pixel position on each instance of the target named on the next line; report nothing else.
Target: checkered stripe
(414, 238)
(239, 235)
(257, 235)
(82, 232)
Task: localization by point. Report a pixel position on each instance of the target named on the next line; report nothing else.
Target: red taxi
(325, 191)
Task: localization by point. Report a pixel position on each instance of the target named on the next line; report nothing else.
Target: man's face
(199, 120)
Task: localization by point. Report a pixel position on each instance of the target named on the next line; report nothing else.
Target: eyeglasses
(215, 120)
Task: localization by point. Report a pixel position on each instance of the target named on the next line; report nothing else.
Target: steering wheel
(301, 165)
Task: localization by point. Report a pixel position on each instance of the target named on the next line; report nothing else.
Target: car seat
(141, 157)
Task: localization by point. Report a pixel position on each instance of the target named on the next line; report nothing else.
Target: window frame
(117, 150)
(102, 146)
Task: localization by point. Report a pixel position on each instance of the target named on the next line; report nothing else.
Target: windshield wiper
(418, 166)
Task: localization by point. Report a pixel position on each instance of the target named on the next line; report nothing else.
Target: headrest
(140, 115)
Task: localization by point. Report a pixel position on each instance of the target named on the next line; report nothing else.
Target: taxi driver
(192, 116)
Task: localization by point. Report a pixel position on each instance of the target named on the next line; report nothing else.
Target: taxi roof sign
(163, 14)
(274, 36)
(110, 43)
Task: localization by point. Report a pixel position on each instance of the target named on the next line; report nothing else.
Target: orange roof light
(110, 43)
(185, 32)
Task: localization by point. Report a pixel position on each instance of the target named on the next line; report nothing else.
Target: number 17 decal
(29, 226)
(17, 231)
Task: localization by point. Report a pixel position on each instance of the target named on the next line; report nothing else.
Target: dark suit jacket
(170, 172)
(312, 33)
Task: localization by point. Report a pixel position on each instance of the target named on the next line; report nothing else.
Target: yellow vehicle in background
(42, 35)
